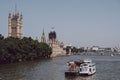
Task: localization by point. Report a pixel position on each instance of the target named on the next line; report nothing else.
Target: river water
(108, 68)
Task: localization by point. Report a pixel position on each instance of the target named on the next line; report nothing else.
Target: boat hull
(87, 74)
(71, 73)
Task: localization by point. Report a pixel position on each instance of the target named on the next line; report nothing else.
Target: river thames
(108, 68)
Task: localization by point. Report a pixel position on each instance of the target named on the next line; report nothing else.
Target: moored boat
(81, 67)
(72, 69)
(87, 68)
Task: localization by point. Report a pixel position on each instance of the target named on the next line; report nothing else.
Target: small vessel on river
(81, 67)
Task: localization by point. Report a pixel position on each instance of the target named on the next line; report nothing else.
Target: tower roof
(43, 32)
(15, 15)
(43, 38)
(52, 35)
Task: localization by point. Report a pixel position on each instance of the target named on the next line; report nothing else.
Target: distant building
(57, 47)
(95, 48)
(15, 25)
(68, 49)
(43, 38)
(108, 49)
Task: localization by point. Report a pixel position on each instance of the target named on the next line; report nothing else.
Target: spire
(9, 15)
(15, 8)
(43, 38)
(21, 16)
(43, 32)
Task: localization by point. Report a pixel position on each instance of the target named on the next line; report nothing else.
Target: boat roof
(87, 60)
(81, 61)
(71, 62)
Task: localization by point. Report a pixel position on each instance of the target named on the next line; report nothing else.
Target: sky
(82, 23)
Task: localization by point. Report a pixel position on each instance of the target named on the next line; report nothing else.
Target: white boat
(82, 67)
(87, 68)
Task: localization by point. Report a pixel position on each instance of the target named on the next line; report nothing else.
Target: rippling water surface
(108, 68)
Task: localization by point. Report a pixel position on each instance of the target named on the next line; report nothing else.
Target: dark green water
(108, 68)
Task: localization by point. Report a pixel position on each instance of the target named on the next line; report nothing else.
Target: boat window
(85, 65)
(80, 69)
(91, 65)
(90, 69)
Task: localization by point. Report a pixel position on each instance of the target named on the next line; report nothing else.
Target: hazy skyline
(80, 22)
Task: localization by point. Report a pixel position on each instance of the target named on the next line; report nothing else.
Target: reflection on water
(92, 77)
(108, 68)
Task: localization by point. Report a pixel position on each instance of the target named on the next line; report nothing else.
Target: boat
(87, 68)
(72, 69)
(81, 67)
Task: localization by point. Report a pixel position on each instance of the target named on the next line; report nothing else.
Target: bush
(15, 49)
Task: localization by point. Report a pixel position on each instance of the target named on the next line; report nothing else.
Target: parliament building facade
(15, 25)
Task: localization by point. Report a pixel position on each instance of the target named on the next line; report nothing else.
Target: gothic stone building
(57, 47)
(15, 25)
(43, 38)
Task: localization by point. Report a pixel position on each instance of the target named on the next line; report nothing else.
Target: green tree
(1, 37)
(74, 50)
(15, 49)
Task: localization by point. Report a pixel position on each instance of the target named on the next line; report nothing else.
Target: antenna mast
(15, 8)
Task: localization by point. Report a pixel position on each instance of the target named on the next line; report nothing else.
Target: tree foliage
(77, 50)
(15, 49)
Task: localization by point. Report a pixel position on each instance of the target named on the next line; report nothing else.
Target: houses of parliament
(15, 25)
(57, 46)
